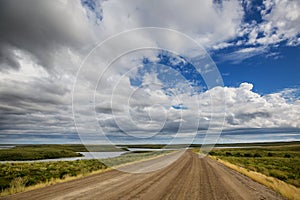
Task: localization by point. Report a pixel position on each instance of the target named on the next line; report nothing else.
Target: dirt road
(189, 177)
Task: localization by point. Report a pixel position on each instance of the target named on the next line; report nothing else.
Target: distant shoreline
(162, 144)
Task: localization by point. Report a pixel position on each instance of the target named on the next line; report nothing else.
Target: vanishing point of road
(189, 177)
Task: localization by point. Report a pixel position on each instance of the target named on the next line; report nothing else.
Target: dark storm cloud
(38, 105)
(245, 117)
(107, 110)
(7, 57)
(39, 94)
(249, 116)
(38, 28)
(39, 138)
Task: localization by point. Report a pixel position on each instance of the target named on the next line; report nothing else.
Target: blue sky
(93, 71)
(269, 74)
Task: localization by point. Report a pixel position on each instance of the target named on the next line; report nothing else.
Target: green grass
(35, 153)
(281, 162)
(22, 175)
(38, 172)
(49, 151)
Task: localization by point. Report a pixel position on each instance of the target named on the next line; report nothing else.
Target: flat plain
(189, 177)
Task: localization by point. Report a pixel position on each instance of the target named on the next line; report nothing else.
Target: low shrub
(287, 155)
(228, 154)
(256, 155)
(247, 155)
(270, 154)
(278, 174)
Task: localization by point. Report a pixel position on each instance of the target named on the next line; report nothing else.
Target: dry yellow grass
(289, 191)
(14, 189)
(21, 188)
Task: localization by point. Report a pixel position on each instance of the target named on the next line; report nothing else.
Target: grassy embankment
(17, 177)
(50, 151)
(277, 167)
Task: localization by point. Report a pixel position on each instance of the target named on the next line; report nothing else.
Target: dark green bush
(256, 155)
(238, 154)
(270, 154)
(228, 154)
(278, 174)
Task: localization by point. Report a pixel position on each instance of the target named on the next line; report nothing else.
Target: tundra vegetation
(50, 151)
(20, 176)
(281, 162)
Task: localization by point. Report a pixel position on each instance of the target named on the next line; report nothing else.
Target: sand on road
(189, 177)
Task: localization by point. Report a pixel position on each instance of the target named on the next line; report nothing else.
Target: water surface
(86, 156)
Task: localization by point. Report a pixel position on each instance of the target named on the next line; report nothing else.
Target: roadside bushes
(35, 153)
(270, 154)
(228, 154)
(251, 153)
(278, 174)
(287, 155)
(247, 155)
(256, 155)
(38, 172)
(238, 154)
(280, 162)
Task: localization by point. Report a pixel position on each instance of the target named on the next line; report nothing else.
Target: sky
(138, 71)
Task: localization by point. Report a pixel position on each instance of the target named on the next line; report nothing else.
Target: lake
(6, 147)
(86, 155)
